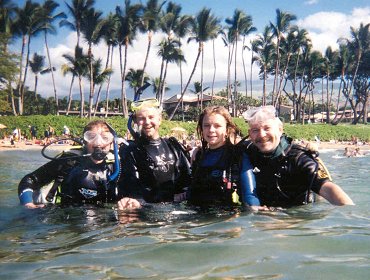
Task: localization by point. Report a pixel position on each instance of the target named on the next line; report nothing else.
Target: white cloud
(325, 28)
(311, 2)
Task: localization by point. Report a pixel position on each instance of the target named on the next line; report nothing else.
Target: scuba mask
(94, 138)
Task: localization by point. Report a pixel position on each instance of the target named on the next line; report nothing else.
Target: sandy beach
(5, 145)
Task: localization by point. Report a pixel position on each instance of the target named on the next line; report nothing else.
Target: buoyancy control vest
(88, 182)
(216, 176)
(288, 179)
(162, 167)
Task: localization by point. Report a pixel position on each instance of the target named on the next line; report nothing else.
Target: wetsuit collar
(283, 145)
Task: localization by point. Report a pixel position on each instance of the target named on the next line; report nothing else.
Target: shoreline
(6, 146)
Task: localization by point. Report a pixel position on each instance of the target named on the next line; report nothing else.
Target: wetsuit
(287, 176)
(154, 170)
(68, 180)
(223, 176)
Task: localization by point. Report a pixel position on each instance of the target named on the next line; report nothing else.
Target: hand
(31, 205)
(128, 203)
(255, 208)
(178, 197)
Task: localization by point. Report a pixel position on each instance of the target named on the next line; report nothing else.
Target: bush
(326, 132)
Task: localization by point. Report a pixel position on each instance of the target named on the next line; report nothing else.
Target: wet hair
(96, 123)
(232, 131)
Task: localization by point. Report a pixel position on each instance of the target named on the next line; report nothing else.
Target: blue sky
(325, 20)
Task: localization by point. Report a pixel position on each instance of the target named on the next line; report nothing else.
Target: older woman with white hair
(286, 173)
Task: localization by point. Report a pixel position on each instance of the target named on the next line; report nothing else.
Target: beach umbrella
(2, 126)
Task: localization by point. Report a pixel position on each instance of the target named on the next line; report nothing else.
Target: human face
(98, 137)
(214, 128)
(149, 120)
(266, 135)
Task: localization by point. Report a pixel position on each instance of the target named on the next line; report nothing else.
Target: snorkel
(135, 134)
(116, 167)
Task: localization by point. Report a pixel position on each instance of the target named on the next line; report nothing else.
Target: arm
(335, 194)
(35, 181)
(248, 183)
(129, 185)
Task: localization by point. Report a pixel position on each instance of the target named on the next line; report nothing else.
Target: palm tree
(48, 17)
(264, 56)
(198, 90)
(150, 24)
(78, 66)
(240, 24)
(134, 77)
(37, 67)
(78, 10)
(282, 24)
(176, 26)
(128, 21)
(228, 38)
(27, 25)
(7, 13)
(92, 27)
(109, 36)
(204, 27)
(99, 75)
(170, 52)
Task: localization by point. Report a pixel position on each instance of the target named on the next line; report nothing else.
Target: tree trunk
(52, 74)
(214, 68)
(188, 82)
(70, 95)
(146, 57)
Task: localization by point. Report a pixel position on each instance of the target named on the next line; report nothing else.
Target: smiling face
(214, 129)
(266, 134)
(149, 120)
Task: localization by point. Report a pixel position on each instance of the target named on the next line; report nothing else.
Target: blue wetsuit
(221, 176)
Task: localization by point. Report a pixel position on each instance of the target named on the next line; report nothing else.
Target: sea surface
(317, 241)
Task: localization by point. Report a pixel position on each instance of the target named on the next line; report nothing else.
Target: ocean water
(317, 241)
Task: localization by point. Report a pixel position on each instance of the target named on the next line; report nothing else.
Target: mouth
(263, 141)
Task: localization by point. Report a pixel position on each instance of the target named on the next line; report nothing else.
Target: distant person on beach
(222, 172)
(154, 169)
(66, 131)
(286, 173)
(76, 176)
(33, 131)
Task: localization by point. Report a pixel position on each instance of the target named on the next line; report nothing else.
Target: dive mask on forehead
(144, 103)
(103, 138)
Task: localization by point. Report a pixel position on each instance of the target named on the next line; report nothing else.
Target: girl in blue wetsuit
(222, 172)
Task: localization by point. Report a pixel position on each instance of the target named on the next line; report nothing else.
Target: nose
(261, 133)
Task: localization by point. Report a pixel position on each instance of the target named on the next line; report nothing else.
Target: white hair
(261, 114)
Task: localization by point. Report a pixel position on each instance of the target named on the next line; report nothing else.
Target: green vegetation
(324, 131)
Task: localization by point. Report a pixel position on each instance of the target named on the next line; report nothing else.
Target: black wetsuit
(74, 180)
(223, 176)
(154, 170)
(286, 178)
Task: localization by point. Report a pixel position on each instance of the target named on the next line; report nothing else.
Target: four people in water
(267, 170)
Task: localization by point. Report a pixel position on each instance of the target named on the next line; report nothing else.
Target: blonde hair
(232, 130)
